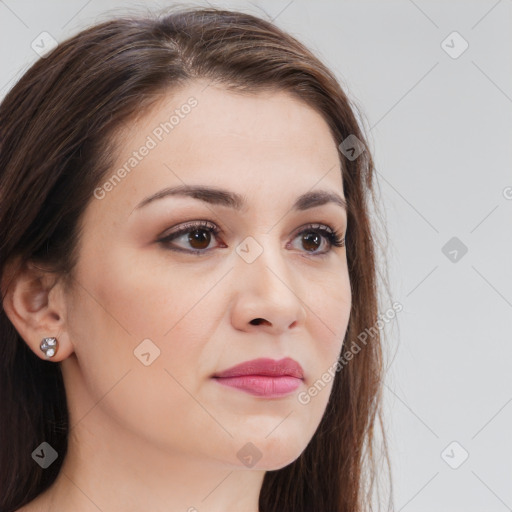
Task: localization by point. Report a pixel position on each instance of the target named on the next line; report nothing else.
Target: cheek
(143, 399)
(123, 305)
(147, 299)
(329, 304)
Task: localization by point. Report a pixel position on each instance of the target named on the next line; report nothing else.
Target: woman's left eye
(199, 235)
(313, 234)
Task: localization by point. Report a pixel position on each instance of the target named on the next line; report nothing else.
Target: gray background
(441, 132)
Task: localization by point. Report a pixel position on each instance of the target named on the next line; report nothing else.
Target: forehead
(205, 134)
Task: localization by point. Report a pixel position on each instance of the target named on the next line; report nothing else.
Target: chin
(275, 453)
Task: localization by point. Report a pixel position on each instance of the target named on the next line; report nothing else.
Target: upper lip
(266, 367)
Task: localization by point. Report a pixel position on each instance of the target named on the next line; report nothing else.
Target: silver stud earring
(49, 346)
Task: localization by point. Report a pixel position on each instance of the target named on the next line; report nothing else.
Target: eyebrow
(238, 202)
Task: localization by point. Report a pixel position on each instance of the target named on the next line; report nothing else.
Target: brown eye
(199, 239)
(313, 235)
(312, 241)
(195, 237)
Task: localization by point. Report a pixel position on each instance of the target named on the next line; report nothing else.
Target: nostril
(257, 321)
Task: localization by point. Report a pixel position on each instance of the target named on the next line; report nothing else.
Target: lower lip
(260, 385)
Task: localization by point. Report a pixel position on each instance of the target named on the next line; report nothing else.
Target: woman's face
(151, 321)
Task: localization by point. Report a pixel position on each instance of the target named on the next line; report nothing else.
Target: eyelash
(334, 238)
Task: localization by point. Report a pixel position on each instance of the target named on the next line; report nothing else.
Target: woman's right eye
(197, 234)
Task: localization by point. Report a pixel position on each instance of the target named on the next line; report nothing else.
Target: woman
(187, 266)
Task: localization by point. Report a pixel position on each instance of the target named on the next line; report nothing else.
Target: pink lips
(264, 377)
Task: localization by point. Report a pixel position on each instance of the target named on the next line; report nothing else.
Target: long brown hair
(57, 127)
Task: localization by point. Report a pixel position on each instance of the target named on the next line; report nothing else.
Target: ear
(34, 301)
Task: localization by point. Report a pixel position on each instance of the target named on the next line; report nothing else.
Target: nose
(268, 295)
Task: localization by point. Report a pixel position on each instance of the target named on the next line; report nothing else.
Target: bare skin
(165, 437)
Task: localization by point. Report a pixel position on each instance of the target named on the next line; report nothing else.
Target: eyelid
(191, 225)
